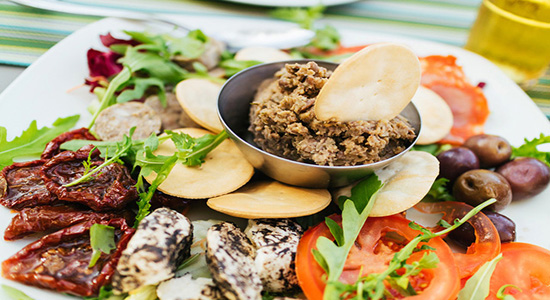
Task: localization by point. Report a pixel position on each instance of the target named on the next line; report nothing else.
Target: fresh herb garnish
(14, 293)
(439, 191)
(356, 209)
(102, 240)
(32, 141)
(529, 149)
(477, 287)
(189, 151)
(122, 149)
(372, 286)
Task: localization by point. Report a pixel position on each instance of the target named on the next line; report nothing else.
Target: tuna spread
(283, 123)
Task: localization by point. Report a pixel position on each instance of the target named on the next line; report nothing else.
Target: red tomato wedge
(527, 267)
(487, 244)
(379, 239)
(467, 102)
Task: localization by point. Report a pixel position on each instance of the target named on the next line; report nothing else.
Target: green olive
(476, 186)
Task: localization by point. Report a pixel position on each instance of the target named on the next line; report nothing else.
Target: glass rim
(517, 18)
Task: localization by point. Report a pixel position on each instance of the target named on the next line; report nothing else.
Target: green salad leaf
(439, 191)
(150, 64)
(102, 240)
(32, 141)
(356, 209)
(529, 149)
(305, 17)
(433, 149)
(477, 287)
(14, 293)
(326, 38)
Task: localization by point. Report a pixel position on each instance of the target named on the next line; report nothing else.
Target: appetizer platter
(46, 91)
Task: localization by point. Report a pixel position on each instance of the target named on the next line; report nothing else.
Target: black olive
(455, 161)
(477, 186)
(464, 235)
(491, 150)
(527, 176)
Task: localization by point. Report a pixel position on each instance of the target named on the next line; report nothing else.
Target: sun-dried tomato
(49, 218)
(53, 147)
(110, 189)
(22, 186)
(59, 261)
(161, 199)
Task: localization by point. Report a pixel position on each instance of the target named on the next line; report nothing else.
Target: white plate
(41, 93)
(293, 3)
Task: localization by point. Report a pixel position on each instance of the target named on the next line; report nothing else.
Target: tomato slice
(525, 266)
(487, 243)
(379, 239)
(467, 102)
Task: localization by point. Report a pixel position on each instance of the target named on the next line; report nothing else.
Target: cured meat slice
(54, 146)
(230, 258)
(162, 241)
(59, 261)
(22, 186)
(276, 242)
(469, 106)
(112, 187)
(46, 218)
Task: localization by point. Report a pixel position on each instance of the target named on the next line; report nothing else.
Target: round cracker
(437, 117)
(263, 54)
(224, 170)
(376, 83)
(271, 199)
(199, 99)
(406, 181)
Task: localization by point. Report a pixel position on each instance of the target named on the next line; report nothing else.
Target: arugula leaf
(140, 87)
(32, 141)
(162, 170)
(500, 293)
(192, 151)
(121, 150)
(232, 66)
(108, 98)
(191, 46)
(529, 149)
(477, 287)
(102, 239)
(439, 192)
(305, 17)
(355, 212)
(14, 293)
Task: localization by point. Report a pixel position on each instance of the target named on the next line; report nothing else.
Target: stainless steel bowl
(233, 109)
